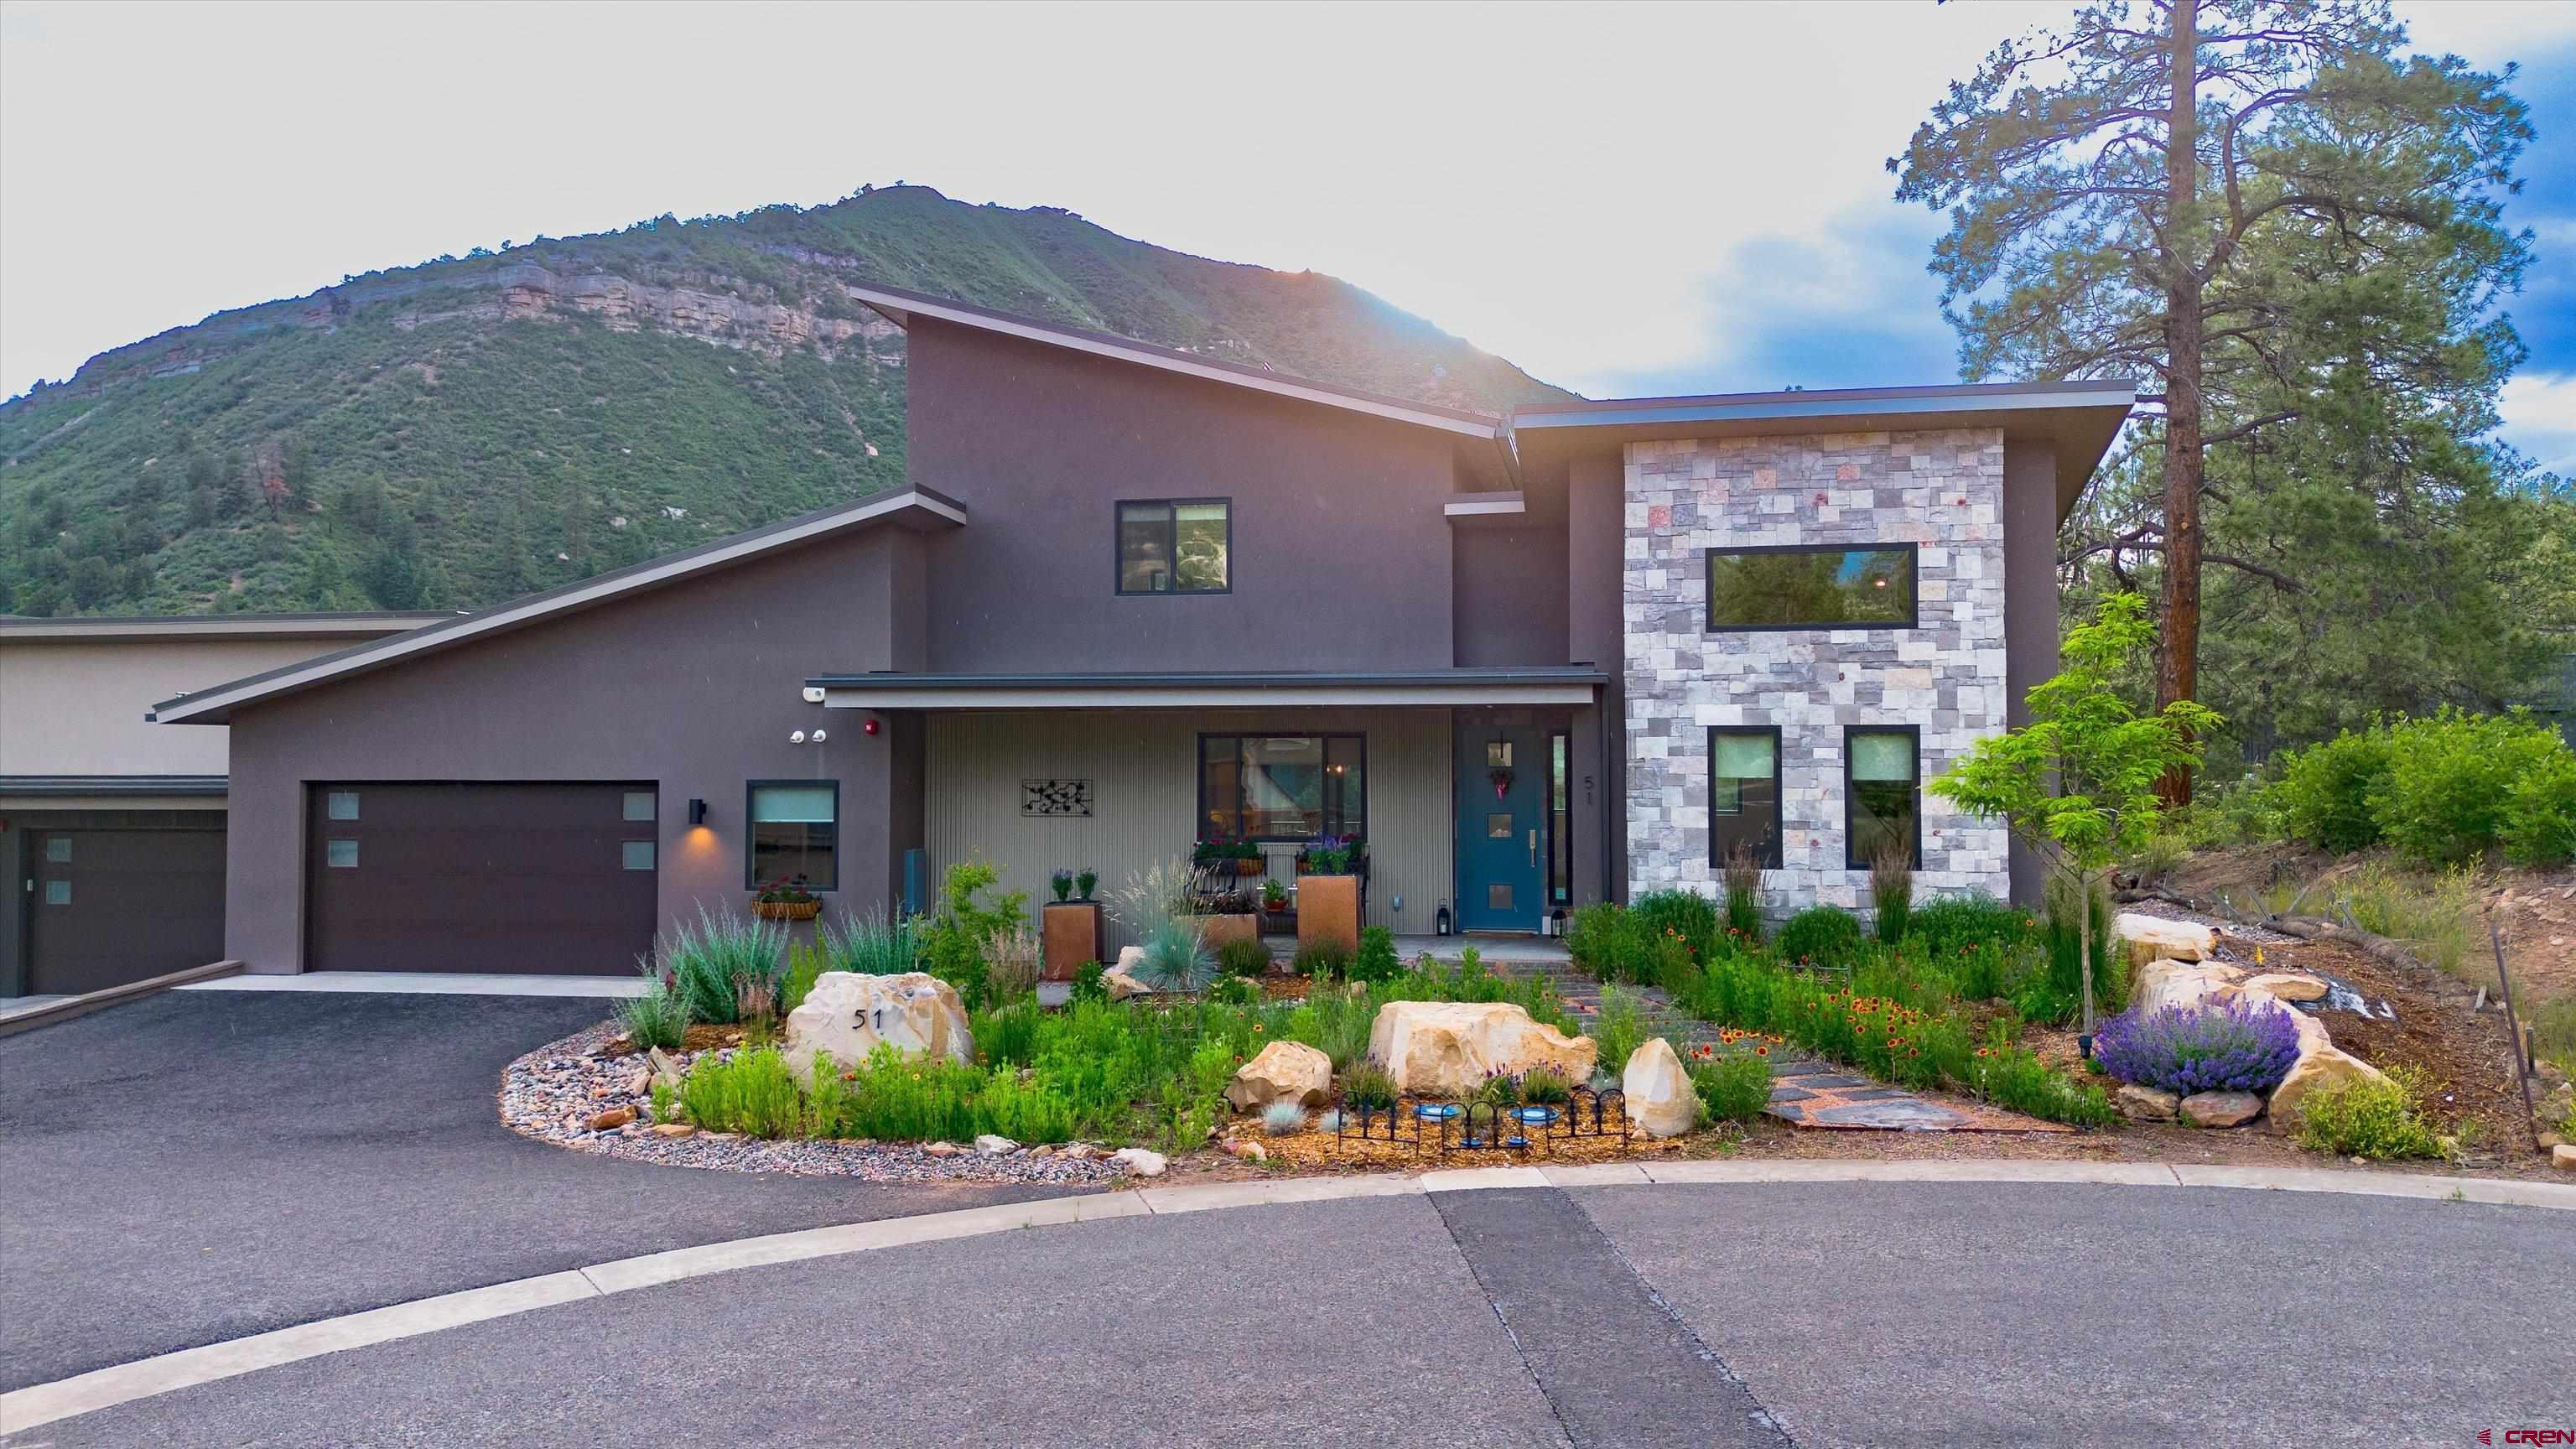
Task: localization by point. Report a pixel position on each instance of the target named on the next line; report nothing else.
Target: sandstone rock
(1285, 1071)
(848, 1015)
(2221, 1109)
(1659, 1096)
(1040, 1151)
(2153, 938)
(614, 1117)
(1139, 1161)
(1122, 979)
(664, 1069)
(2166, 982)
(1247, 1151)
(2563, 1157)
(673, 1129)
(1449, 1048)
(2146, 1104)
(1083, 1151)
(942, 1149)
(637, 1084)
(2320, 1062)
(989, 1145)
(2288, 985)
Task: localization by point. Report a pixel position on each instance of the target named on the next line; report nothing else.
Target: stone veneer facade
(1940, 490)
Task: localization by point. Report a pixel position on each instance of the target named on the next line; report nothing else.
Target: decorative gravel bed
(554, 1093)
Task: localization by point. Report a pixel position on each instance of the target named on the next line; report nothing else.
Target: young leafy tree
(2077, 784)
(2167, 187)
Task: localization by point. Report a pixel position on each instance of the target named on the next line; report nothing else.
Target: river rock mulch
(554, 1093)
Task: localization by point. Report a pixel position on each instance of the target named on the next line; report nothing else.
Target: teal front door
(1502, 796)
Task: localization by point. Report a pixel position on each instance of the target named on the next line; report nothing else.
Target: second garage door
(537, 878)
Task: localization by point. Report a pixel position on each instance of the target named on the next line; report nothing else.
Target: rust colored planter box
(1217, 930)
(1071, 934)
(787, 910)
(1328, 910)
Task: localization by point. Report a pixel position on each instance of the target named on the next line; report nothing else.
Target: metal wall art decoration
(1055, 798)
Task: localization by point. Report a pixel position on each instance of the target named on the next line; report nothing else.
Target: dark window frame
(1913, 592)
(1198, 767)
(1851, 831)
(1560, 752)
(751, 880)
(1777, 857)
(1118, 547)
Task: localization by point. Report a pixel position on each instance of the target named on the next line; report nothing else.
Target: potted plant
(786, 900)
(1085, 882)
(1069, 926)
(1274, 896)
(1329, 901)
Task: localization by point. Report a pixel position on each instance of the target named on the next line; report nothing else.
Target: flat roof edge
(1825, 406)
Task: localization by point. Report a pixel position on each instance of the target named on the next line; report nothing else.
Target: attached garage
(542, 879)
(112, 900)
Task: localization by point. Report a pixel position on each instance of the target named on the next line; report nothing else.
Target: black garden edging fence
(1441, 1126)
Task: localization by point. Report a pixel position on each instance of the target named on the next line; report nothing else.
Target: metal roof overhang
(1569, 685)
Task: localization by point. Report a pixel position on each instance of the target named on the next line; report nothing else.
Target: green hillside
(455, 433)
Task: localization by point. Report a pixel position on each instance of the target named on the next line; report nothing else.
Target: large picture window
(1175, 546)
(1282, 787)
(1744, 794)
(795, 833)
(1882, 794)
(1811, 587)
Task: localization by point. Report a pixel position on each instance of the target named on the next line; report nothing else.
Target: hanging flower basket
(787, 910)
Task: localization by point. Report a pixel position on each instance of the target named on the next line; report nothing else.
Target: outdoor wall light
(818, 737)
(697, 811)
(796, 737)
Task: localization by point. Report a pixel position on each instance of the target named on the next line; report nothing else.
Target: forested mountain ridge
(457, 432)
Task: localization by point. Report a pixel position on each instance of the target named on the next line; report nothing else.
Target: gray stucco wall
(1341, 555)
(695, 686)
(1946, 676)
(2030, 606)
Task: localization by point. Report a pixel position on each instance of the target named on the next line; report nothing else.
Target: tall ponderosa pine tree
(2242, 201)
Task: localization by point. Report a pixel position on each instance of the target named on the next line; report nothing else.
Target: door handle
(1533, 847)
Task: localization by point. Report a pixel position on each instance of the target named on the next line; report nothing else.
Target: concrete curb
(39, 1404)
(28, 1018)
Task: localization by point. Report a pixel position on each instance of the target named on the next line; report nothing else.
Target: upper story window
(1811, 586)
(1175, 546)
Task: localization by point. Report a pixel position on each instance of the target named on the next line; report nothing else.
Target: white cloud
(2540, 418)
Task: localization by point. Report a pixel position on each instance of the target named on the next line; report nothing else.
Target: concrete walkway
(1509, 1307)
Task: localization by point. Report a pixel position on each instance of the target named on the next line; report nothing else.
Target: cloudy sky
(1622, 201)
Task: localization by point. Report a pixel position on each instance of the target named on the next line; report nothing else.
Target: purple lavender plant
(2238, 1046)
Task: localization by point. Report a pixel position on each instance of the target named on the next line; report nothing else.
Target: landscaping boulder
(1449, 1048)
(2167, 982)
(1659, 1095)
(2221, 1109)
(848, 1015)
(2320, 1062)
(1285, 1071)
(2288, 985)
(2563, 1157)
(2153, 938)
(2146, 1104)
(992, 1145)
(1139, 1161)
(1121, 979)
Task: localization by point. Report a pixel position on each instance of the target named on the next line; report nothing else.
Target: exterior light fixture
(818, 737)
(796, 737)
(697, 811)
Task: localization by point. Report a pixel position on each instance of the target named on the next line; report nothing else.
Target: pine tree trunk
(2178, 659)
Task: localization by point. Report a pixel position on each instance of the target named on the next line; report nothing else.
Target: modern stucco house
(112, 830)
(1132, 598)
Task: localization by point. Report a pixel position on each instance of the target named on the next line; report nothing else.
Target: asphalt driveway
(202, 1165)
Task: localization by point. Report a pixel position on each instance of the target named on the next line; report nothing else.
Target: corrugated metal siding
(1144, 782)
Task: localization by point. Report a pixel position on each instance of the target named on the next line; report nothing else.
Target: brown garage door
(550, 879)
(110, 906)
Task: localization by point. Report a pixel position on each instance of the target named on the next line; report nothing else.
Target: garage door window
(340, 854)
(58, 893)
(639, 804)
(794, 834)
(344, 805)
(638, 854)
(58, 850)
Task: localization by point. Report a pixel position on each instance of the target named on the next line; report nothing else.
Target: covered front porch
(1459, 785)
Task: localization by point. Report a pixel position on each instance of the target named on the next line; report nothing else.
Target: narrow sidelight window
(1175, 546)
(1808, 586)
(1744, 794)
(794, 833)
(1882, 794)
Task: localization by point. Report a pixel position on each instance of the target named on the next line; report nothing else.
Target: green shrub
(2325, 790)
(2013, 1078)
(1735, 1087)
(1609, 941)
(1176, 957)
(1945, 924)
(2452, 780)
(1376, 960)
(1687, 915)
(958, 935)
(1820, 936)
(2369, 1117)
(804, 964)
(1743, 881)
(871, 945)
(1891, 894)
(2066, 954)
(2540, 813)
(1369, 1086)
(1235, 990)
(1087, 983)
(711, 959)
(1544, 1087)
(751, 1092)
(659, 1016)
(1240, 957)
(1323, 961)
(1621, 1028)
(2553, 1034)
(1007, 1034)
